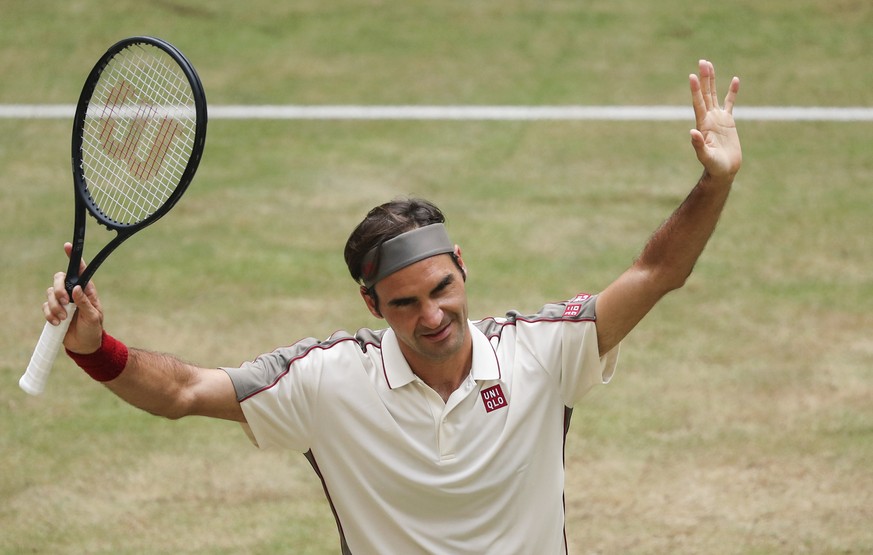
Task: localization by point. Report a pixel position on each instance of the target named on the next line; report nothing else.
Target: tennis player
(437, 434)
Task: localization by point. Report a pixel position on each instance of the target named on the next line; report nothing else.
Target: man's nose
(432, 315)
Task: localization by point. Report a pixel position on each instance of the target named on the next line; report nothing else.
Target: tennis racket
(138, 135)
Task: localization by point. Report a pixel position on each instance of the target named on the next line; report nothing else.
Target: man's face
(426, 306)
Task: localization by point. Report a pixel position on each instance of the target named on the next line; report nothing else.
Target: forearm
(664, 264)
(158, 383)
(155, 382)
(672, 251)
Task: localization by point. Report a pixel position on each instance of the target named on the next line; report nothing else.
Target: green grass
(740, 420)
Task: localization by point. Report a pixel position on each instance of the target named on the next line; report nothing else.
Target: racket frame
(83, 199)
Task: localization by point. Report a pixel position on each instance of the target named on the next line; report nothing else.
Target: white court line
(495, 113)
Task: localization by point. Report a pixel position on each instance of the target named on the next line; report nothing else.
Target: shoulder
(305, 359)
(580, 308)
(340, 343)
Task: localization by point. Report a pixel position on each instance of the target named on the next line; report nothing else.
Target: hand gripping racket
(138, 136)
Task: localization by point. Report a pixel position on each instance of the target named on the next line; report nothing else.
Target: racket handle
(35, 377)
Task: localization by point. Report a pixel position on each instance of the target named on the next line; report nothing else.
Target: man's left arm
(670, 254)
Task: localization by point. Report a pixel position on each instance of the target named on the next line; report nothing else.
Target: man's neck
(446, 376)
(446, 383)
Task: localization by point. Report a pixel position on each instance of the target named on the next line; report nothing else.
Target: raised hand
(715, 139)
(86, 328)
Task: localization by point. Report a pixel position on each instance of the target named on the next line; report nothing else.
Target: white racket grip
(35, 377)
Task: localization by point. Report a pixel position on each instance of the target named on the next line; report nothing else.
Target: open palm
(715, 138)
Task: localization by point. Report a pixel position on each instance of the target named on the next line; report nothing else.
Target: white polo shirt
(407, 473)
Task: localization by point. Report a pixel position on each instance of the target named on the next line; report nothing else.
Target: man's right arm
(158, 383)
(165, 386)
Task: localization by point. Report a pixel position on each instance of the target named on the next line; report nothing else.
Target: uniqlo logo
(574, 305)
(493, 398)
(572, 310)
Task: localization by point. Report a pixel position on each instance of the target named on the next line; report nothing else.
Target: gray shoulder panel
(266, 370)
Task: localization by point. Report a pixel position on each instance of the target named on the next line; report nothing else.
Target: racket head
(138, 133)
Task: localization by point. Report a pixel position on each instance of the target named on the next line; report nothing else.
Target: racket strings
(138, 134)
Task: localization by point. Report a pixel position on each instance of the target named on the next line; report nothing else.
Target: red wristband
(106, 363)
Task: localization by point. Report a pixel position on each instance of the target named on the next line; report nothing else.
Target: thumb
(90, 288)
(88, 322)
(699, 144)
(697, 140)
(88, 307)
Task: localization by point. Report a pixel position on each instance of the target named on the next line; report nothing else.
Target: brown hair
(385, 222)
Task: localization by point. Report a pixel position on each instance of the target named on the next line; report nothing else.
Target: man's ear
(460, 261)
(371, 300)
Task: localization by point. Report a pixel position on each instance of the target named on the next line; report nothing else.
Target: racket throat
(73, 278)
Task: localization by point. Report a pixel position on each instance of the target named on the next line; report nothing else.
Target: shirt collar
(398, 373)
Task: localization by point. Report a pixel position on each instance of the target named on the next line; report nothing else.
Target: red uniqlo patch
(574, 305)
(493, 398)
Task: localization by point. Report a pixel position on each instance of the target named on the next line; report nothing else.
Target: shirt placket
(447, 419)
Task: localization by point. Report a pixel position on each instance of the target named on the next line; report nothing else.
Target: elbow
(179, 407)
(677, 281)
(170, 412)
(660, 274)
(171, 407)
(663, 280)
(174, 415)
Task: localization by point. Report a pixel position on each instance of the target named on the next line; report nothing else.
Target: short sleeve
(278, 394)
(563, 338)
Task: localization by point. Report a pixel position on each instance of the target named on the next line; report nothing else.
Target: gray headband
(403, 250)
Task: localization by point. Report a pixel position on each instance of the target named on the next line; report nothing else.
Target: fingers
(68, 248)
(703, 96)
(56, 301)
(713, 90)
(707, 84)
(731, 95)
(57, 298)
(704, 93)
(697, 101)
(715, 137)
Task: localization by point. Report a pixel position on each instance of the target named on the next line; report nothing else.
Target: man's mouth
(439, 334)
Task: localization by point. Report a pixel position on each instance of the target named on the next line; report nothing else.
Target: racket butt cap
(31, 387)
